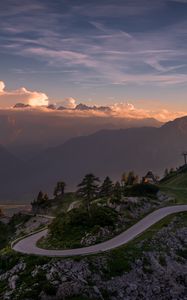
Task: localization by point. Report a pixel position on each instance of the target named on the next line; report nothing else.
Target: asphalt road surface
(28, 244)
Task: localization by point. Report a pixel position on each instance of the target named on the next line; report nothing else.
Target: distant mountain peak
(21, 105)
(82, 106)
(51, 106)
(61, 108)
(178, 124)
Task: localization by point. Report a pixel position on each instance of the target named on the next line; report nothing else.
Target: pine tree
(59, 189)
(166, 172)
(124, 179)
(117, 191)
(40, 196)
(46, 197)
(88, 189)
(172, 170)
(136, 180)
(106, 188)
(131, 178)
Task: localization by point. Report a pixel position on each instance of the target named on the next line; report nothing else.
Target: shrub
(77, 217)
(78, 220)
(3, 235)
(142, 189)
(8, 261)
(49, 289)
(118, 264)
(103, 216)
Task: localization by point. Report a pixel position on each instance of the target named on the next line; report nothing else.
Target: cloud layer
(128, 110)
(22, 95)
(40, 101)
(68, 103)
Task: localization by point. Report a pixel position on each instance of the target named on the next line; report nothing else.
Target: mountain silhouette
(107, 152)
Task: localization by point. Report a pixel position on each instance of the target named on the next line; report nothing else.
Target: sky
(127, 54)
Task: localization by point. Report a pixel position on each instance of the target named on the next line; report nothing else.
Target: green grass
(179, 180)
(182, 253)
(8, 260)
(3, 287)
(179, 194)
(176, 186)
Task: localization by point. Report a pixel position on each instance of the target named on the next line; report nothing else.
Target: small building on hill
(150, 178)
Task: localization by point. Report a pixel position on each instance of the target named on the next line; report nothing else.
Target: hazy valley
(104, 152)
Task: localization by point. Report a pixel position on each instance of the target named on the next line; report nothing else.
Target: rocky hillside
(153, 266)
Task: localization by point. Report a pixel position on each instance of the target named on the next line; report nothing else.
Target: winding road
(28, 244)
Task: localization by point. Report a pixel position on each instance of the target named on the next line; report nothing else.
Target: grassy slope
(178, 180)
(176, 186)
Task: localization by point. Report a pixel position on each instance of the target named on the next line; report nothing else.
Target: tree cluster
(89, 188)
(129, 178)
(58, 193)
(168, 172)
(59, 189)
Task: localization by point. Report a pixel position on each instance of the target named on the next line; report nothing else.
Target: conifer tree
(117, 191)
(106, 188)
(88, 189)
(59, 189)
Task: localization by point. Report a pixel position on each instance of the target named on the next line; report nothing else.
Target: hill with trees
(142, 268)
(105, 208)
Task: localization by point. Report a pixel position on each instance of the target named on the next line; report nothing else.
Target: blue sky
(99, 52)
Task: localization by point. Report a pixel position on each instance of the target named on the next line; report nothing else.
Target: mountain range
(106, 152)
(27, 132)
(79, 106)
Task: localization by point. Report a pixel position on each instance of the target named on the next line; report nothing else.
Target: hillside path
(28, 244)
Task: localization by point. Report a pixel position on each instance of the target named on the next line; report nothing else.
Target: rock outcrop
(159, 271)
